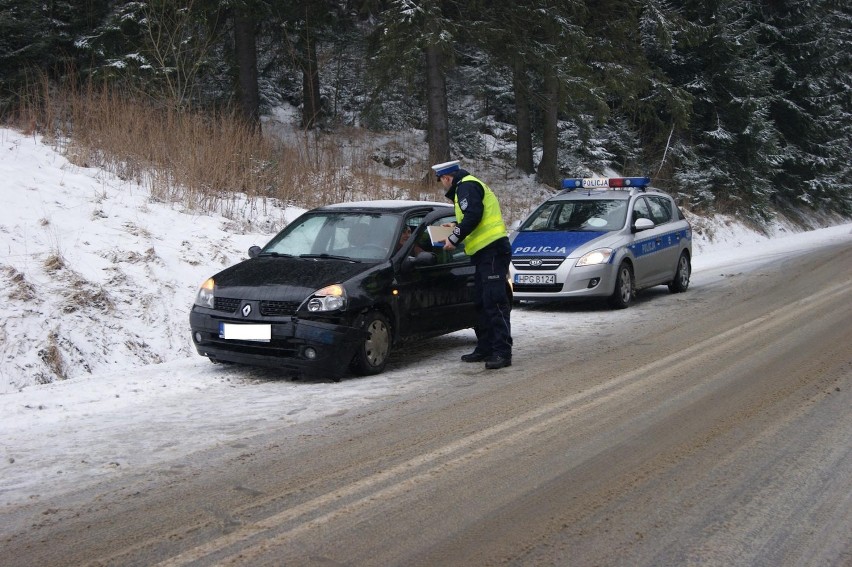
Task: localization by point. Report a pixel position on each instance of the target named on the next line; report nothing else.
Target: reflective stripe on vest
(490, 228)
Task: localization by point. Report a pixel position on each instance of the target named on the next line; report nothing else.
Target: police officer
(479, 223)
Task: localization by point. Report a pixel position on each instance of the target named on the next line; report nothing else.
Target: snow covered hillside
(97, 276)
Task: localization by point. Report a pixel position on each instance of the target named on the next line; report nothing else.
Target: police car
(602, 238)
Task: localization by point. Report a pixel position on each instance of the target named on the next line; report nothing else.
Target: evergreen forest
(735, 106)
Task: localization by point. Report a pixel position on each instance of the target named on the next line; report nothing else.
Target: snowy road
(707, 428)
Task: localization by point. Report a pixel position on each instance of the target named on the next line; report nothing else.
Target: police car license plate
(261, 333)
(535, 279)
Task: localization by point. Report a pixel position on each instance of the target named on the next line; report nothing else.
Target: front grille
(547, 288)
(226, 304)
(267, 308)
(278, 308)
(532, 263)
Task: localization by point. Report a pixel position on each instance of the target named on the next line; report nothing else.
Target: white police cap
(446, 168)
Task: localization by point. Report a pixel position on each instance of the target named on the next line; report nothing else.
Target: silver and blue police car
(602, 238)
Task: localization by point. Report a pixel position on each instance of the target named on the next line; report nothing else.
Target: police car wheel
(372, 354)
(623, 293)
(681, 279)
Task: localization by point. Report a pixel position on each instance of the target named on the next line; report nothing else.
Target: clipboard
(438, 234)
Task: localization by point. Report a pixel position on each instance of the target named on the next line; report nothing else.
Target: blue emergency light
(604, 182)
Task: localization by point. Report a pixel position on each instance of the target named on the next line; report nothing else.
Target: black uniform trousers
(491, 298)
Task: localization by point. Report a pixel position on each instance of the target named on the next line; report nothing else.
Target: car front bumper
(314, 348)
(572, 282)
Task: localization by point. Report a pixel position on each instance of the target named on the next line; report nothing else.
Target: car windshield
(587, 215)
(354, 236)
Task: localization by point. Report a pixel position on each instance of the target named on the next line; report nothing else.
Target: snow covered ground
(98, 280)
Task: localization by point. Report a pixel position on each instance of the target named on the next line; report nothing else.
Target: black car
(336, 290)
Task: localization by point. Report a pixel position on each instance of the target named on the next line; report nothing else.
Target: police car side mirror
(643, 224)
(254, 251)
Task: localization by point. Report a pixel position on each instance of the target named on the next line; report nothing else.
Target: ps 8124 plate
(535, 279)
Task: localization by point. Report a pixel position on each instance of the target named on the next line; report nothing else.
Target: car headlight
(599, 256)
(205, 297)
(329, 298)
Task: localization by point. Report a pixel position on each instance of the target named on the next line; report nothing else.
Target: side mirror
(254, 251)
(425, 259)
(643, 224)
(513, 229)
(422, 259)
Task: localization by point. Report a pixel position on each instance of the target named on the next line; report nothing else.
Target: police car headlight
(599, 256)
(329, 298)
(205, 296)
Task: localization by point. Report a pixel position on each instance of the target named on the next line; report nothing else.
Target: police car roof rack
(604, 183)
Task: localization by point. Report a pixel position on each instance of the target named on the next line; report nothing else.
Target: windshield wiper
(330, 257)
(276, 255)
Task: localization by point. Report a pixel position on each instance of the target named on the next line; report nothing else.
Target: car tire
(623, 293)
(373, 352)
(681, 279)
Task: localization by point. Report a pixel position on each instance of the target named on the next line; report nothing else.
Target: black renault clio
(336, 290)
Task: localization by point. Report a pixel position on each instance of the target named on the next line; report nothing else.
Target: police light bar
(602, 182)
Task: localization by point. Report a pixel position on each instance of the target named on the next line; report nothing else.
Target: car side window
(661, 209)
(409, 227)
(640, 210)
(443, 256)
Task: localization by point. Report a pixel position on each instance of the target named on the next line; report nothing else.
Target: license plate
(535, 279)
(262, 333)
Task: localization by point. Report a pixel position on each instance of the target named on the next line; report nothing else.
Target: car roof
(383, 205)
(611, 194)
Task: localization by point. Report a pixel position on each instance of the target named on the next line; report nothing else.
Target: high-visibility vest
(490, 228)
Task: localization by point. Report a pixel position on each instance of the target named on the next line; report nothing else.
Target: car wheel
(372, 354)
(623, 293)
(681, 279)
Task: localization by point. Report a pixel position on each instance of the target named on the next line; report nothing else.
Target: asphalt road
(715, 429)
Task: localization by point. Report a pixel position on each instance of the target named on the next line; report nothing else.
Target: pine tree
(161, 48)
(811, 43)
(510, 33)
(245, 17)
(416, 38)
(733, 154)
(39, 37)
(305, 26)
(661, 111)
(740, 106)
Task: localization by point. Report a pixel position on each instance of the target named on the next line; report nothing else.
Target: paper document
(438, 234)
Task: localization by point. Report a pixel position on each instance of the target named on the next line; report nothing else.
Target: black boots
(492, 361)
(474, 356)
(496, 361)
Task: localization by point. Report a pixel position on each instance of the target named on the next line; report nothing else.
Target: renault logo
(246, 310)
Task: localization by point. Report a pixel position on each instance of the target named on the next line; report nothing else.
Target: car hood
(567, 244)
(290, 278)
